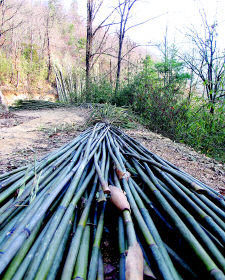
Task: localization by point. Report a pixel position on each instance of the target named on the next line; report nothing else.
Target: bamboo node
(122, 175)
(10, 232)
(27, 231)
(105, 188)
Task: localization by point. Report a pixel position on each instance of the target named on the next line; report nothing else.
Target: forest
(47, 49)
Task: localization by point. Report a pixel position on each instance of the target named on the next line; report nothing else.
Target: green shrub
(100, 91)
(163, 107)
(202, 130)
(33, 70)
(157, 100)
(111, 114)
(5, 67)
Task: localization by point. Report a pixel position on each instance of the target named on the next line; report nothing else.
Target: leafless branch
(143, 22)
(103, 23)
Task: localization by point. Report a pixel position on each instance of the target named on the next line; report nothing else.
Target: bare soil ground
(26, 135)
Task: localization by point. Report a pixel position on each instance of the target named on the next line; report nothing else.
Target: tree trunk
(110, 72)
(118, 67)
(89, 47)
(212, 109)
(212, 101)
(3, 105)
(49, 52)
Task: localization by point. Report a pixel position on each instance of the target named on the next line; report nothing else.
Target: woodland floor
(26, 135)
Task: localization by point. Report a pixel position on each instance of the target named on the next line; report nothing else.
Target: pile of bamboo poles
(34, 105)
(67, 85)
(167, 224)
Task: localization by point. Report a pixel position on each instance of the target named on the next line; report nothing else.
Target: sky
(175, 15)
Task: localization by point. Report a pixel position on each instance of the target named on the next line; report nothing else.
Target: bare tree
(90, 19)
(124, 10)
(209, 65)
(8, 22)
(48, 44)
(93, 8)
(8, 17)
(49, 22)
(14, 51)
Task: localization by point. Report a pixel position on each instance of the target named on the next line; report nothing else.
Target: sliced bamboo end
(106, 188)
(197, 188)
(107, 191)
(148, 272)
(202, 191)
(119, 199)
(134, 263)
(216, 274)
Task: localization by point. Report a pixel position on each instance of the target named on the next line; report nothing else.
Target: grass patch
(113, 115)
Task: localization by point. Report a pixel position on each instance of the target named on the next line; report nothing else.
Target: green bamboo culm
(93, 267)
(55, 213)
(81, 267)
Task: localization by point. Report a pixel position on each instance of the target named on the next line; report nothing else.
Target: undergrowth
(111, 114)
(164, 108)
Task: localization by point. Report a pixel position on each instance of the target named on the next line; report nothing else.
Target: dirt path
(26, 135)
(29, 134)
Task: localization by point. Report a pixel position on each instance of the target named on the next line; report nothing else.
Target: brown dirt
(205, 169)
(27, 135)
